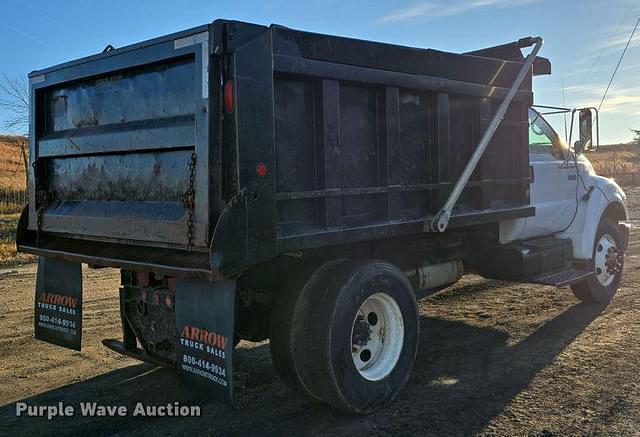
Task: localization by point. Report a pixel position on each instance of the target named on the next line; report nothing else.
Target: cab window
(543, 140)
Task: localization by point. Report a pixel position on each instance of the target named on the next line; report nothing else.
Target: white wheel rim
(377, 336)
(606, 263)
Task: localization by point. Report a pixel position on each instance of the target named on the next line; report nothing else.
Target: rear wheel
(355, 336)
(285, 311)
(607, 263)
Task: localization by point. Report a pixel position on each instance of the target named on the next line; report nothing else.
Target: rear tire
(286, 308)
(607, 262)
(355, 336)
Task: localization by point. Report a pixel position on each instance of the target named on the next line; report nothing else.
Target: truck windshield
(544, 142)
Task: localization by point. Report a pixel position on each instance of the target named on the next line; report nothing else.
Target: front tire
(356, 341)
(607, 263)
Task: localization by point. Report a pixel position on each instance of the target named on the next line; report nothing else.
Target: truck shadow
(464, 377)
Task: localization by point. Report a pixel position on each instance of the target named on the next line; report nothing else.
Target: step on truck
(259, 182)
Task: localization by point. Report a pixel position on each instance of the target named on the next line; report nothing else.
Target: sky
(583, 38)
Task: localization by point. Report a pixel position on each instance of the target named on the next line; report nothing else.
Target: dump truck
(258, 182)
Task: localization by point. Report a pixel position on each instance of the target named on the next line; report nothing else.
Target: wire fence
(12, 199)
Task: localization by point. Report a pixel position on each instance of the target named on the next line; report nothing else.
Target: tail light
(228, 97)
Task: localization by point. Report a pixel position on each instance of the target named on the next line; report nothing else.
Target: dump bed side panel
(370, 138)
(114, 142)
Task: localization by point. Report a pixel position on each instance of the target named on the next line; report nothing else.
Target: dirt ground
(494, 358)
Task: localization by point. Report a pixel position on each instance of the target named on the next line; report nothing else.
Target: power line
(47, 17)
(604, 48)
(33, 38)
(619, 62)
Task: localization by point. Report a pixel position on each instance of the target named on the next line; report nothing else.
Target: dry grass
(12, 175)
(616, 160)
(12, 178)
(8, 254)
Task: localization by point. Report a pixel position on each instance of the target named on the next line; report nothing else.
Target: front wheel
(607, 263)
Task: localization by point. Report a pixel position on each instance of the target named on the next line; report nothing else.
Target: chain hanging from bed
(189, 200)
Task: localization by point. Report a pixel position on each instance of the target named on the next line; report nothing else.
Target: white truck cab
(572, 202)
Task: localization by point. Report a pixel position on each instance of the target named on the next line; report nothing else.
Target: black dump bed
(223, 146)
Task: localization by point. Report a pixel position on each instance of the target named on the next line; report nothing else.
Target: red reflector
(261, 170)
(228, 97)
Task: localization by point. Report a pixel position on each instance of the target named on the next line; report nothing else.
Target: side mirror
(586, 130)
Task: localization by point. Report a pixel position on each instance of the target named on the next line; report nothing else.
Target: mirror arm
(597, 129)
(573, 113)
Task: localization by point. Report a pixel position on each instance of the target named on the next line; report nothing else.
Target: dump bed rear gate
(114, 139)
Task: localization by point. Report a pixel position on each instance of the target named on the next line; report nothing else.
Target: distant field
(12, 175)
(616, 159)
(12, 187)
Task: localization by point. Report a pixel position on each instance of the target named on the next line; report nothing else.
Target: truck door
(554, 187)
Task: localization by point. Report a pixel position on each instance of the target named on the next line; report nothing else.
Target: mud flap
(58, 303)
(205, 325)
